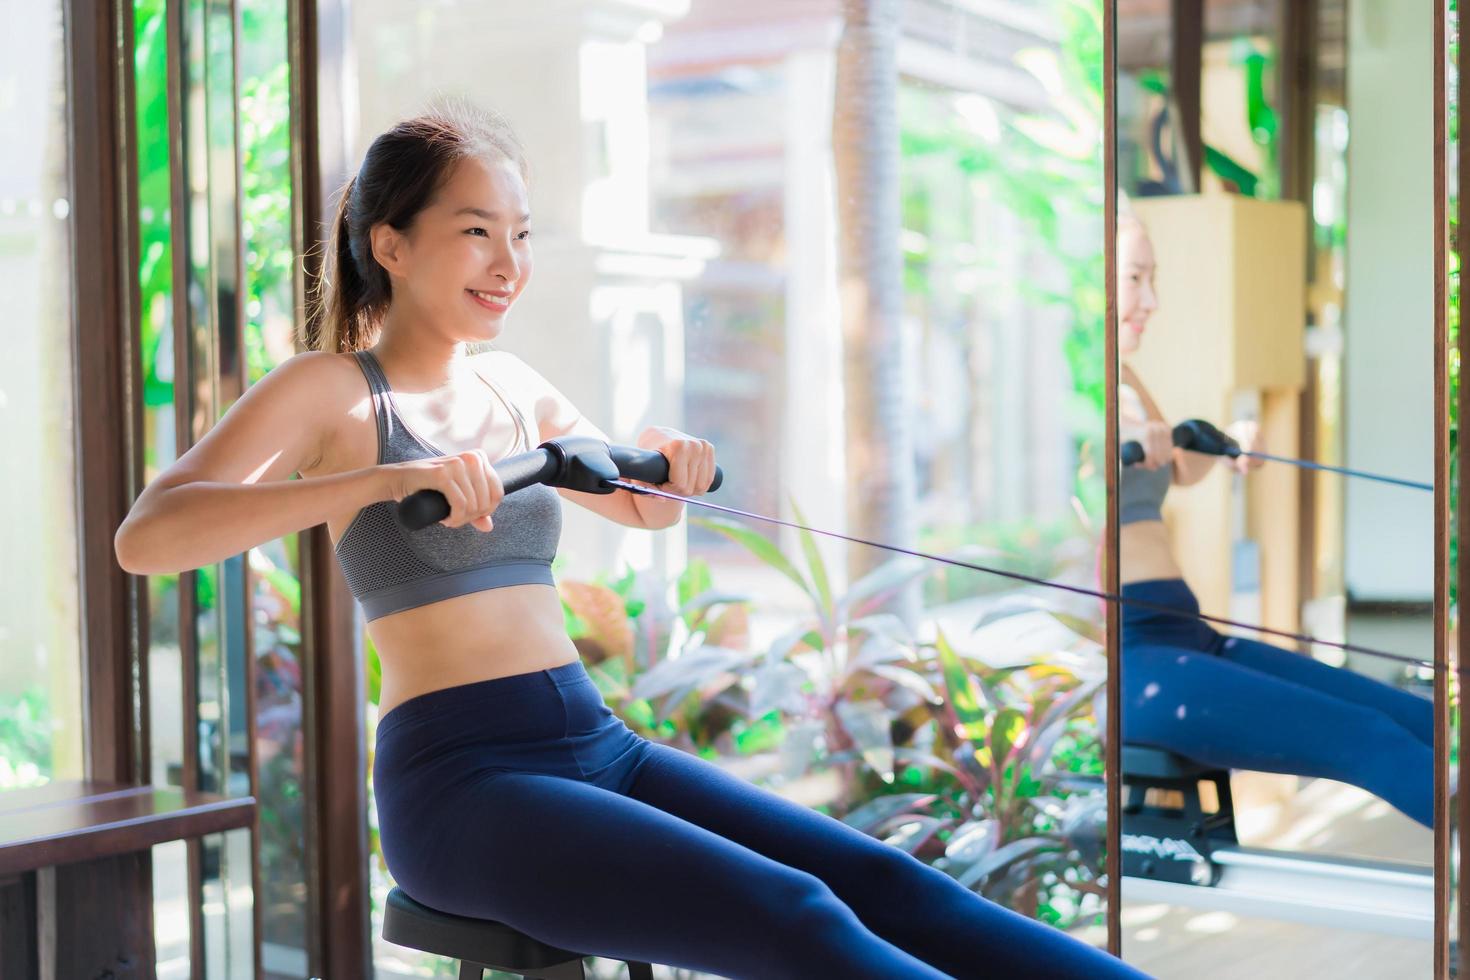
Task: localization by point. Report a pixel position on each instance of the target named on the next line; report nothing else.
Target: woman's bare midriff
(1145, 553)
(464, 639)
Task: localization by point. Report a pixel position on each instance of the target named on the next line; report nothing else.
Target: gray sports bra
(390, 569)
(1141, 493)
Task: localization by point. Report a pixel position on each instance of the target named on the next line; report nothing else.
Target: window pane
(40, 686)
(171, 910)
(275, 579)
(156, 349)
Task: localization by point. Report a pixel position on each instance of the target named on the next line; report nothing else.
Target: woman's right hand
(467, 481)
(1157, 439)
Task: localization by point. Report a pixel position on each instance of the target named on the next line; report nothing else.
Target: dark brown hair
(398, 178)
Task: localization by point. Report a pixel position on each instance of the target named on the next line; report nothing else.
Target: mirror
(1275, 279)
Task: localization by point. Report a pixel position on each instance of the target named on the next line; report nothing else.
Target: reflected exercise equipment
(1200, 436)
(1181, 819)
(1179, 846)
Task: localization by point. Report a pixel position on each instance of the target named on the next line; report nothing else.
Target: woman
(1228, 701)
(506, 789)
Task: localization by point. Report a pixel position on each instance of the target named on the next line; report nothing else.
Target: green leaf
(907, 679)
(761, 735)
(868, 725)
(964, 697)
(1003, 856)
(693, 581)
(876, 812)
(373, 670)
(883, 581)
(711, 597)
(778, 687)
(914, 833)
(611, 678)
(757, 545)
(1007, 732)
(286, 584)
(815, 563)
(691, 669)
(877, 650)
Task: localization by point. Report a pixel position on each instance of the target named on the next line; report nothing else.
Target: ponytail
(348, 303)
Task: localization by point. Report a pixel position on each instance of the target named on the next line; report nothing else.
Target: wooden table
(73, 858)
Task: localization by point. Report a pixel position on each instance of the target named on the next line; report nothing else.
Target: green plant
(836, 678)
(1016, 735)
(989, 772)
(624, 628)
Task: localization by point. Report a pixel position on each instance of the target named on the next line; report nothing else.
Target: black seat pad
(416, 926)
(1152, 763)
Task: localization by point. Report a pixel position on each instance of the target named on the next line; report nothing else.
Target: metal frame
(1461, 570)
(1441, 506)
(1113, 737)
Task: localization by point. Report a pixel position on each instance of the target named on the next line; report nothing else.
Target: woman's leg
(897, 896)
(587, 869)
(1409, 710)
(1223, 713)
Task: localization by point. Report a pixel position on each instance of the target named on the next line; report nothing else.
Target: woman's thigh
(1411, 711)
(899, 897)
(587, 869)
(1225, 714)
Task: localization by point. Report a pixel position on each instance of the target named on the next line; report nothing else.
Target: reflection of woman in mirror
(1228, 701)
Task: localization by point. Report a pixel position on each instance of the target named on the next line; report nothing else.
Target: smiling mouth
(491, 301)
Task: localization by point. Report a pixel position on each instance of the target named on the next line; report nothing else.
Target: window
(40, 683)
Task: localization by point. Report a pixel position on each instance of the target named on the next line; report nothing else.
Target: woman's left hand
(691, 460)
(1248, 435)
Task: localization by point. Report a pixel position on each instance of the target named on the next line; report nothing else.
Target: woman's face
(1136, 299)
(467, 255)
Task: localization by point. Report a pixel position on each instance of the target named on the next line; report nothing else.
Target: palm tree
(879, 443)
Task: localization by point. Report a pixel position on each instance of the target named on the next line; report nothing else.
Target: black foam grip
(650, 466)
(418, 510)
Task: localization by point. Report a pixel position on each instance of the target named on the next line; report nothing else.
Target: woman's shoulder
(328, 386)
(318, 363)
(333, 395)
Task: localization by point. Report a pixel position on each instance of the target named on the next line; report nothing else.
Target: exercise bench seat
(481, 944)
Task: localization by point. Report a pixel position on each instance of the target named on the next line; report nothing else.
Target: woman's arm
(232, 492)
(1191, 467)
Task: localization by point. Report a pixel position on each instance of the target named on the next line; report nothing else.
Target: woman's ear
(388, 247)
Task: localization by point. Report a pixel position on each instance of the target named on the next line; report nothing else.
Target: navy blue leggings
(1241, 704)
(526, 800)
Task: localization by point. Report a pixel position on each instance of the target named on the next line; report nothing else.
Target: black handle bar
(1194, 434)
(572, 462)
